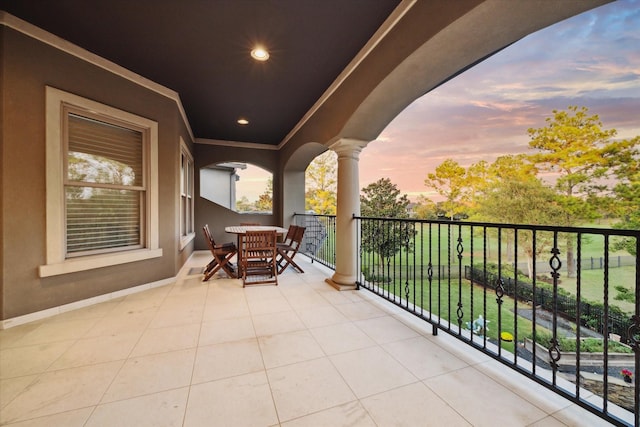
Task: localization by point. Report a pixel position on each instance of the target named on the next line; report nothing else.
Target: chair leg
(216, 264)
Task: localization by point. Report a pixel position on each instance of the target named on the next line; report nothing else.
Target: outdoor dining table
(240, 230)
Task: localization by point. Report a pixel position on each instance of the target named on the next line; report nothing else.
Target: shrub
(587, 345)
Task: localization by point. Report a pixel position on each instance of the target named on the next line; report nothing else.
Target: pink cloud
(590, 60)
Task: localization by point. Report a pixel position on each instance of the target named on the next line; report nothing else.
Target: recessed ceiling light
(260, 54)
(242, 121)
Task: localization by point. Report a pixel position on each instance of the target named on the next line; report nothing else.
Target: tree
(265, 200)
(425, 208)
(627, 199)
(522, 201)
(321, 181)
(449, 180)
(575, 148)
(244, 205)
(382, 199)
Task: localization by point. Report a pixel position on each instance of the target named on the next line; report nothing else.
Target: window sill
(185, 240)
(97, 261)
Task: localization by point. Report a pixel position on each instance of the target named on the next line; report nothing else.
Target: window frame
(187, 176)
(57, 104)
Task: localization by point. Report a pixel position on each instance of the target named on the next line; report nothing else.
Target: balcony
(302, 353)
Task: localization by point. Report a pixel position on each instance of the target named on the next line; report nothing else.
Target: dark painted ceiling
(200, 49)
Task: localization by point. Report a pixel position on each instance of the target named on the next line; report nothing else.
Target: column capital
(348, 147)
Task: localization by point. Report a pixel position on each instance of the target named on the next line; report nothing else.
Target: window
(105, 186)
(102, 193)
(187, 232)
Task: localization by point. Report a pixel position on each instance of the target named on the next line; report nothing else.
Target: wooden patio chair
(286, 253)
(288, 238)
(222, 255)
(258, 258)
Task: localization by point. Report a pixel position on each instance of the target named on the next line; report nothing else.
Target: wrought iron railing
(319, 241)
(519, 294)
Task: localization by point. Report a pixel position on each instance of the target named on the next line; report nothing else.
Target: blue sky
(590, 60)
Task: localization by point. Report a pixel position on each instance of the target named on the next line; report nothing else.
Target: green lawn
(439, 245)
(443, 302)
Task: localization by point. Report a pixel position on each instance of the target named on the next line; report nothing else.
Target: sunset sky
(590, 60)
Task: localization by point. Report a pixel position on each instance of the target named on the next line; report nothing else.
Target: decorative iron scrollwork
(459, 248)
(554, 352)
(430, 272)
(499, 290)
(460, 313)
(634, 333)
(555, 263)
(406, 290)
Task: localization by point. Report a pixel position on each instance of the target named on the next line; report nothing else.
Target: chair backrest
(207, 237)
(258, 244)
(297, 237)
(291, 232)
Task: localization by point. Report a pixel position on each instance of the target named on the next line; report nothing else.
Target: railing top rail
(313, 214)
(563, 229)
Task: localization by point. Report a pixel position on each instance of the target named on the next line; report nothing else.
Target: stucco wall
(28, 66)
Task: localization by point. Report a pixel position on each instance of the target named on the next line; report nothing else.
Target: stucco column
(348, 204)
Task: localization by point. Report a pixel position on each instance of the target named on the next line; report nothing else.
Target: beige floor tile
(277, 323)
(484, 402)
(386, 329)
(228, 359)
(164, 409)
(307, 300)
(341, 337)
(260, 293)
(75, 418)
(371, 370)
(274, 304)
(12, 387)
(162, 340)
(287, 348)
(155, 295)
(61, 391)
(350, 414)
(137, 303)
(323, 315)
(549, 422)
(360, 310)
(96, 311)
(239, 401)
(230, 311)
(291, 283)
(89, 351)
(307, 387)
(130, 320)
(57, 331)
(423, 358)
(152, 374)
(9, 337)
(189, 287)
(575, 416)
(31, 359)
(224, 330)
(334, 297)
(418, 405)
(181, 310)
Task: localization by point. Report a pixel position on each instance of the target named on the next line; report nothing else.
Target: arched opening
(238, 186)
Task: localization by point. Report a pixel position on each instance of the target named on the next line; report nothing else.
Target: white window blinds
(104, 186)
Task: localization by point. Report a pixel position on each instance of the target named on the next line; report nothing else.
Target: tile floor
(300, 354)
